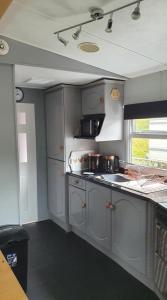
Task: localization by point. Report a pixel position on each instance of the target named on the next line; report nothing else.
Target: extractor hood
(112, 126)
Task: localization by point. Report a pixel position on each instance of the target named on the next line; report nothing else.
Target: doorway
(27, 162)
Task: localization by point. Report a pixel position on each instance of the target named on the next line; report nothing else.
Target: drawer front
(80, 183)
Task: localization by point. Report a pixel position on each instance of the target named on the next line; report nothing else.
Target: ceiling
(42, 78)
(134, 48)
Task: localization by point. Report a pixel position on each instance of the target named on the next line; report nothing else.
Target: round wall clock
(19, 95)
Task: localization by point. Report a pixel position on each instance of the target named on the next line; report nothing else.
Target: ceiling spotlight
(136, 13)
(62, 40)
(76, 34)
(96, 13)
(109, 24)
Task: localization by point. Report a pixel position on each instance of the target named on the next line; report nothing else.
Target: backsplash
(78, 160)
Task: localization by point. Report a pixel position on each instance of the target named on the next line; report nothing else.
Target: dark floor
(64, 267)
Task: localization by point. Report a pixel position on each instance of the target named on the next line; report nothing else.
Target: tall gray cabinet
(63, 114)
(55, 123)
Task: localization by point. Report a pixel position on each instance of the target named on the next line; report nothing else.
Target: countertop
(158, 198)
(10, 288)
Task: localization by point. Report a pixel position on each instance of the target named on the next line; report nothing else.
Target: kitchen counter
(158, 198)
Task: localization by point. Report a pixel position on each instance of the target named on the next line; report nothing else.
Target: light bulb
(136, 13)
(76, 34)
(62, 40)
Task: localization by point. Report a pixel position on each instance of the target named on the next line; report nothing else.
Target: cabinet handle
(76, 181)
(83, 205)
(110, 205)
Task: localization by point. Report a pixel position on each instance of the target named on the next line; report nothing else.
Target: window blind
(156, 109)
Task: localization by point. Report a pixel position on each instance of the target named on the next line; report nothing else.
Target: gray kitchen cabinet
(63, 114)
(105, 97)
(77, 208)
(77, 182)
(129, 229)
(56, 189)
(98, 214)
(55, 124)
(93, 100)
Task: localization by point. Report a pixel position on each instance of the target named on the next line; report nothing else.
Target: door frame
(18, 161)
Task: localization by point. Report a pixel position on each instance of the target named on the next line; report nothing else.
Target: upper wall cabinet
(93, 100)
(105, 97)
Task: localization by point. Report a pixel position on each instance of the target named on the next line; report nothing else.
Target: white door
(27, 162)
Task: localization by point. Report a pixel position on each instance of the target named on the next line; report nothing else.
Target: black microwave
(91, 126)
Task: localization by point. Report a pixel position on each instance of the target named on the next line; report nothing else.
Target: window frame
(131, 133)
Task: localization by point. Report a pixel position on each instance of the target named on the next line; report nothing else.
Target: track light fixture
(136, 13)
(76, 34)
(62, 40)
(97, 14)
(109, 24)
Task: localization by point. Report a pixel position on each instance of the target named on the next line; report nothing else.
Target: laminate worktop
(158, 198)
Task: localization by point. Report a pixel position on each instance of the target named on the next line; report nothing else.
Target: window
(148, 142)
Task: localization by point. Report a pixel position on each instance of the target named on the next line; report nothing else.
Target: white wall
(9, 202)
(25, 54)
(142, 89)
(114, 148)
(147, 88)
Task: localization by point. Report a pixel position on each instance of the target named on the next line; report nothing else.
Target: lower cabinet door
(77, 208)
(129, 229)
(56, 189)
(98, 214)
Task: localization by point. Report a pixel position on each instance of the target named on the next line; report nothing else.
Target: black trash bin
(14, 246)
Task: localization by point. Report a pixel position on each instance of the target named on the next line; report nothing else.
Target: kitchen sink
(113, 178)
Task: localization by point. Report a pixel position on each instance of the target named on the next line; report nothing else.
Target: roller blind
(156, 109)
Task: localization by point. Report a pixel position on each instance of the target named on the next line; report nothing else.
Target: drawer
(78, 182)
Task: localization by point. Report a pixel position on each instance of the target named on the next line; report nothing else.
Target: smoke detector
(96, 13)
(89, 47)
(4, 47)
